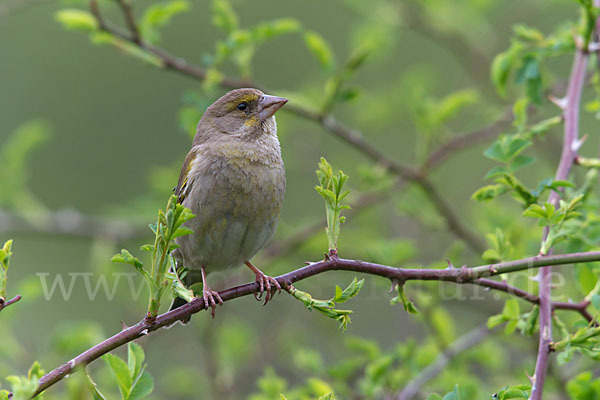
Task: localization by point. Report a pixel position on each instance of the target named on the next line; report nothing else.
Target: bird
(233, 180)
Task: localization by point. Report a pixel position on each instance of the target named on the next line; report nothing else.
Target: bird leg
(265, 281)
(209, 295)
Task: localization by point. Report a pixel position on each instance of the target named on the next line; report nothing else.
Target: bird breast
(237, 190)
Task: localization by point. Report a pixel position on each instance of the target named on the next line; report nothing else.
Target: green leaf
(73, 19)
(488, 192)
(121, 372)
(327, 307)
(158, 16)
(126, 257)
(409, 307)
(351, 290)
(93, 387)
(527, 33)
(587, 278)
(453, 395)
(5, 255)
(223, 16)
(135, 358)
(24, 387)
(495, 320)
(531, 321)
(520, 161)
(596, 301)
(544, 125)
(277, 27)
(443, 324)
(537, 211)
(496, 171)
(320, 49)
(500, 71)
(331, 189)
(529, 73)
(182, 231)
(511, 309)
(506, 147)
(510, 326)
(565, 356)
(142, 387)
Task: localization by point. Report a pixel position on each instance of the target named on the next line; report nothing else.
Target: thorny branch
(569, 152)
(461, 275)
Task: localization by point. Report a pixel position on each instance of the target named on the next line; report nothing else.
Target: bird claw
(208, 295)
(265, 282)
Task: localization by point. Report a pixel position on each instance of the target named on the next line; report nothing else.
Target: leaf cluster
(133, 380)
(512, 316)
(169, 226)
(327, 307)
(331, 188)
(5, 254)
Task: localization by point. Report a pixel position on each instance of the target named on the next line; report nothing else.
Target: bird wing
(183, 184)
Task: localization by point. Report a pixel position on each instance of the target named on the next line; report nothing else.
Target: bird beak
(268, 105)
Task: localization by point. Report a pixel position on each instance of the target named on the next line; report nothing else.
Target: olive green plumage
(233, 180)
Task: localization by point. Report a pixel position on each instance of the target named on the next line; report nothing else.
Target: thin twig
(130, 21)
(463, 343)
(502, 286)
(462, 275)
(4, 304)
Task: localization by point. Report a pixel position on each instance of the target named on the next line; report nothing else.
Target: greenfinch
(233, 180)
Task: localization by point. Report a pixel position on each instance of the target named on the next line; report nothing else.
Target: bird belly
(236, 214)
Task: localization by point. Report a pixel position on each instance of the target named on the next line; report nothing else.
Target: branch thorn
(559, 102)
(577, 143)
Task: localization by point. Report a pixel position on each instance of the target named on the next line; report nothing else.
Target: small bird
(233, 180)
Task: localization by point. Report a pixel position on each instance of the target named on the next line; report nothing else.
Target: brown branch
(4, 304)
(532, 298)
(463, 343)
(569, 152)
(327, 121)
(130, 21)
(457, 275)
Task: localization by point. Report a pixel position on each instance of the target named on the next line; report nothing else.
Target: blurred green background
(118, 130)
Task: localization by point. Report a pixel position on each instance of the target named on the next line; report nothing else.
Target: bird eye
(242, 106)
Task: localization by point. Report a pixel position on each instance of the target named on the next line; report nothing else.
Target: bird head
(241, 112)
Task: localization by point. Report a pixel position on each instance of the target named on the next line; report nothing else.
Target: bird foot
(208, 295)
(266, 282)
